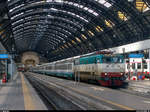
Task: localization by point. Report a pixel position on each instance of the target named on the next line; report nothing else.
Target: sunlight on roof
(109, 23)
(54, 0)
(141, 6)
(104, 2)
(78, 39)
(98, 29)
(122, 16)
(76, 5)
(83, 36)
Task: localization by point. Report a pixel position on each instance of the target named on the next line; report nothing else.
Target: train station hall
(75, 55)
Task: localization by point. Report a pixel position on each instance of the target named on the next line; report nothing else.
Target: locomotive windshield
(106, 59)
(117, 60)
(114, 59)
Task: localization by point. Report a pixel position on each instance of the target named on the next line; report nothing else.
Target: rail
(53, 98)
(41, 91)
(91, 101)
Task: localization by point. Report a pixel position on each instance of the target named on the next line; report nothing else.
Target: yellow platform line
(28, 102)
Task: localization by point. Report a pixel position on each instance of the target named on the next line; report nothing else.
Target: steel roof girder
(73, 9)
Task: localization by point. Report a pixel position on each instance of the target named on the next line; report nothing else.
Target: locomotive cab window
(117, 60)
(106, 59)
(114, 59)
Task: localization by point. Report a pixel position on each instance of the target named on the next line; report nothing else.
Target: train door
(98, 67)
(76, 70)
(95, 74)
(133, 67)
(140, 66)
(127, 68)
(146, 68)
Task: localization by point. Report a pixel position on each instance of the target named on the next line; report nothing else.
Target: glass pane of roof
(104, 2)
(54, 0)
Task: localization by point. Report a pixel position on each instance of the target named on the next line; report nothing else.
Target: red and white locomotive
(137, 67)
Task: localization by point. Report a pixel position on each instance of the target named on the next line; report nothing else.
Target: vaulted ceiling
(59, 29)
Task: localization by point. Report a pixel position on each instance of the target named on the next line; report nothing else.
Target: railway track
(43, 95)
(88, 101)
(93, 102)
(133, 89)
(55, 99)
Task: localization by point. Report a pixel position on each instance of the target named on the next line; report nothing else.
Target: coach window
(138, 65)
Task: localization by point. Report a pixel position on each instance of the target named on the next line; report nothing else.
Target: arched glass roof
(63, 28)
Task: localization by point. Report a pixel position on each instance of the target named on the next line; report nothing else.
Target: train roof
(100, 55)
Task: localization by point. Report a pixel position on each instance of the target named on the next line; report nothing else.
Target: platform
(19, 95)
(142, 86)
(140, 82)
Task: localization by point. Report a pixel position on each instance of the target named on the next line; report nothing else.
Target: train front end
(112, 70)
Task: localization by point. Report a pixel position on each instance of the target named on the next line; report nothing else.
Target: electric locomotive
(137, 67)
(106, 68)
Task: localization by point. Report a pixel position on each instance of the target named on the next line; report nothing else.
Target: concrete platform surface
(142, 86)
(19, 95)
(140, 82)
